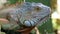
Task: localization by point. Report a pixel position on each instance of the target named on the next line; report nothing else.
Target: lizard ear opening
(8, 17)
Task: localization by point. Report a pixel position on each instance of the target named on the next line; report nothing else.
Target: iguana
(26, 15)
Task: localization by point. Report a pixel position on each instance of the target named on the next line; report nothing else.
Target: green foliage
(46, 27)
(14, 1)
(46, 2)
(20, 0)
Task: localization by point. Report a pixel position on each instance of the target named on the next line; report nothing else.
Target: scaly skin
(27, 15)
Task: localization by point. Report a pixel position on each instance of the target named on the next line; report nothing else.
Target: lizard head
(29, 14)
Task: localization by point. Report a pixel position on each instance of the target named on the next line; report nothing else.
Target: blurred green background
(46, 2)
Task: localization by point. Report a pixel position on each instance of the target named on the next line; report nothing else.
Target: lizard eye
(37, 8)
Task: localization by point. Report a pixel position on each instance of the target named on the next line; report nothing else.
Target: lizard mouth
(43, 20)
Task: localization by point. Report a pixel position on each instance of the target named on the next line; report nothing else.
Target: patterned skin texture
(26, 15)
